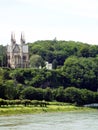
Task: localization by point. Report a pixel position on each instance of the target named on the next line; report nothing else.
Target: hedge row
(23, 102)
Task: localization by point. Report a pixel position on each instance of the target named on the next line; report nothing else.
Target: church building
(17, 54)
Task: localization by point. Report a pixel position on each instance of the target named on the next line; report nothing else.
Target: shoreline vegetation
(7, 110)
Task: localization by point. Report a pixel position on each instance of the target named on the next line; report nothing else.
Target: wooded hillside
(75, 65)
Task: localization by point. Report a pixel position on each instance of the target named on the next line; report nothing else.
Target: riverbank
(14, 110)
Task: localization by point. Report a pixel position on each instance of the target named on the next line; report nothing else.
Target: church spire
(13, 41)
(22, 39)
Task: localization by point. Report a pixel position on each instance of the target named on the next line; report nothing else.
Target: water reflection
(51, 121)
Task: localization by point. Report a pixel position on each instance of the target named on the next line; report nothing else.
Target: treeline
(57, 52)
(70, 95)
(32, 84)
(53, 51)
(78, 72)
(39, 96)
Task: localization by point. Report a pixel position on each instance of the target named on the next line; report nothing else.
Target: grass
(52, 107)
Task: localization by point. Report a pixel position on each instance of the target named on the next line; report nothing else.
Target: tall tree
(36, 61)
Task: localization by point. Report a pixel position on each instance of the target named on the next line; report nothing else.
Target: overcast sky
(46, 19)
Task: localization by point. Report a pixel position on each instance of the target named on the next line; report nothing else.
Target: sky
(75, 20)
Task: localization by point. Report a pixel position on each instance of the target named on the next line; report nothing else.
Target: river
(51, 121)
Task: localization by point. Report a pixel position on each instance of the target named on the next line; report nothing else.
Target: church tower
(13, 42)
(22, 39)
(22, 42)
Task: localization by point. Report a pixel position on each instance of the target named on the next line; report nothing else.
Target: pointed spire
(22, 38)
(13, 41)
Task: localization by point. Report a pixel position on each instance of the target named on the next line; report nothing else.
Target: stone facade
(17, 54)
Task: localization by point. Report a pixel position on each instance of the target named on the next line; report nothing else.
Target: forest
(74, 77)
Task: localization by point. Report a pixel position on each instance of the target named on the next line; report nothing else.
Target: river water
(51, 121)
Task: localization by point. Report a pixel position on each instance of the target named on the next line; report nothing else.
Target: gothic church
(17, 54)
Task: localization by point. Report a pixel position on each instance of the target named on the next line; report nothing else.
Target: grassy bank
(52, 107)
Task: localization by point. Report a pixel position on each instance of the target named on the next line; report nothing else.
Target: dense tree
(36, 61)
(81, 72)
(17, 75)
(29, 93)
(32, 93)
(73, 95)
(10, 89)
(3, 58)
(2, 91)
(48, 94)
(60, 94)
(60, 50)
(80, 96)
(19, 89)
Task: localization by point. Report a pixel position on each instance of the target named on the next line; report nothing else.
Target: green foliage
(10, 90)
(54, 64)
(60, 95)
(74, 64)
(61, 50)
(17, 75)
(32, 93)
(3, 59)
(22, 102)
(73, 95)
(36, 61)
(48, 94)
(2, 91)
(82, 72)
(80, 96)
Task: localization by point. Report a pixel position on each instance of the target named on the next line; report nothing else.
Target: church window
(8, 57)
(24, 58)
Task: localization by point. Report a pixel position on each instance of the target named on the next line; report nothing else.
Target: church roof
(16, 48)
